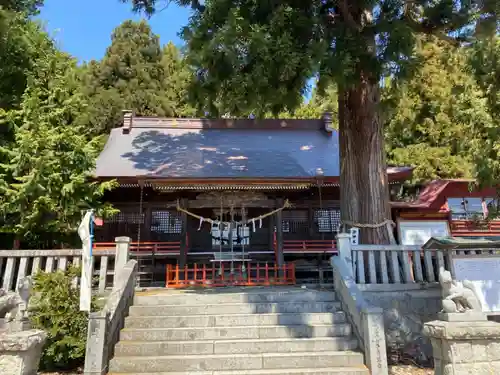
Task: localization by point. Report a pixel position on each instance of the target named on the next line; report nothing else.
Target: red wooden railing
(309, 246)
(471, 228)
(157, 248)
(254, 274)
(306, 246)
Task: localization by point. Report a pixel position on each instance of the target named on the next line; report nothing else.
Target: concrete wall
(406, 308)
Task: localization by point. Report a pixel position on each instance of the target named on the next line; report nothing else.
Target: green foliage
(322, 100)
(255, 56)
(46, 176)
(431, 163)
(435, 118)
(485, 63)
(177, 76)
(55, 308)
(135, 74)
(28, 7)
(21, 43)
(246, 57)
(54, 117)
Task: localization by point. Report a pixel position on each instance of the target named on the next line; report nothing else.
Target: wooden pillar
(272, 223)
(184, 245)
(310, 215)
(146, 235)
(279, 233)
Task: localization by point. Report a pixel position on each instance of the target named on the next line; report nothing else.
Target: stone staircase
(237, 331)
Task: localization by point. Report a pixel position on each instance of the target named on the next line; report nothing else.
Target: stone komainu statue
(458, 296)
(14, 305)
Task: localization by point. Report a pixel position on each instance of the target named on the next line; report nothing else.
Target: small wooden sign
(418, 232)
(484, 272)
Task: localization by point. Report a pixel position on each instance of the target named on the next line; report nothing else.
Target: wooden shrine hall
(223, 198)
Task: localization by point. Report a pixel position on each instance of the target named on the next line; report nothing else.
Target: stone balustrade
(367, 320)
(21, 263)
(105, 325)
(399, 264)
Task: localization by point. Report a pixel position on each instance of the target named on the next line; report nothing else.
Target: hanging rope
(139, 225)
(231, 214)
(321, 209)
(243, 219)
(371, 226)
(202, 219)
(221, 230)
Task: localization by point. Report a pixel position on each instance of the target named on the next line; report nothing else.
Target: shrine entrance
(228, 258)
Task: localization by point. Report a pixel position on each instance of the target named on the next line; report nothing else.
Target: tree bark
(364, 188)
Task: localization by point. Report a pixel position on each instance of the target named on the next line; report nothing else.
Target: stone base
(20, 352)
(471, 316)
(462, 348)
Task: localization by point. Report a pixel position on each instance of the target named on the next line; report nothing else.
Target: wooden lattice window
(166, 222)
(294, 221)
(126, 218)
(327, 220)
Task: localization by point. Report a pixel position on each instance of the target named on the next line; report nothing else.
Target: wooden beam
(147, 222)
(184, 245)
(209, 203)
(279, 233)
(272, 223)
(310, 215)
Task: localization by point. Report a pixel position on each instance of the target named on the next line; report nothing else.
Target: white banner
(87, 263)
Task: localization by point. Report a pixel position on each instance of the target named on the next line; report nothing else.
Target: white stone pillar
(344, 246)
(372, 319)
(96, 354)
(122, 255)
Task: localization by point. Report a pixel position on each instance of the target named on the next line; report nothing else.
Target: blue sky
(83, 27)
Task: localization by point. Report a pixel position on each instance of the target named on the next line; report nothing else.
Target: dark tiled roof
(179, 151)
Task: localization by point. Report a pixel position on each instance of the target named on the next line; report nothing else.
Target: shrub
(55, 308)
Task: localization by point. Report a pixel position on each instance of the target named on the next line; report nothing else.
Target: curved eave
(167, 187)
(242, 183)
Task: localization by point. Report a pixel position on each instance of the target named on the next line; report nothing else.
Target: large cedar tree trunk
(364, 191)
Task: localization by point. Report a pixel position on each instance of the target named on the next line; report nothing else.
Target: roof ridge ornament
(128, 116)
(328, 122)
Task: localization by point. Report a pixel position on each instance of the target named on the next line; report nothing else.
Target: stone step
(357, 370)
(234, 320)
(254, 346)
(236, 332)
(149, 298)
(226, 362)
(235, 308)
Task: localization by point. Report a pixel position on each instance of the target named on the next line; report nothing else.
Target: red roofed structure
(466, 208)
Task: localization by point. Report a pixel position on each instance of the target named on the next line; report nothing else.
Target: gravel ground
(393, 370)
(409, 370)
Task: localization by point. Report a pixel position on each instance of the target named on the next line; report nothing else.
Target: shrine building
(226, 194)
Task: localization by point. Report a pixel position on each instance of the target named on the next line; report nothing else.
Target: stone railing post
(122, 255)
(104, 326)
(344, 246)
(367, 320)
(372, 319)
(96, 355)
